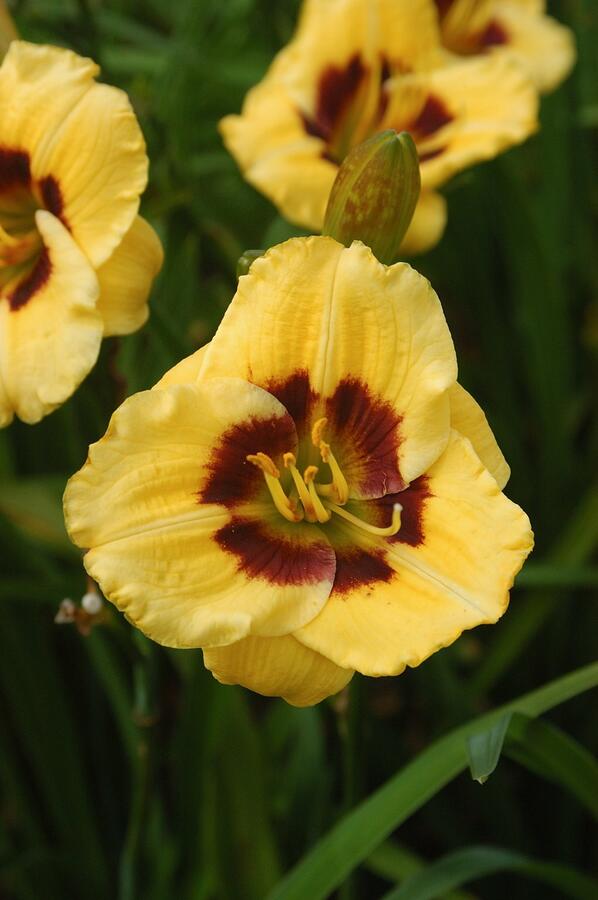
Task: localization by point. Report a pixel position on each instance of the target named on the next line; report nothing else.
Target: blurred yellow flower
(355, 67)
(76, 261)
(311, 494)
(518, 27)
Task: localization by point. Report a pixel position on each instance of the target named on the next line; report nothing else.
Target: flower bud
(245, 261)
(375, 194)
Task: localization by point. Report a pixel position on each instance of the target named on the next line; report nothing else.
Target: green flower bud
(246, 259)
(375, 194)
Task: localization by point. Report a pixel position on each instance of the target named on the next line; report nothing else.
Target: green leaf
(554, 755)
(470, 863)
(485, 748)
(357, 834)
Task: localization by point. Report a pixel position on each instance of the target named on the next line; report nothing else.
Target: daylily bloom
(518, 27)
(356, 67)
(76, 260)
(311, 494)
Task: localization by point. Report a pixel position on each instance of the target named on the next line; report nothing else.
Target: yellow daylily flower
(298, 498)
(76, 259)
(520, 28)
(356, 67)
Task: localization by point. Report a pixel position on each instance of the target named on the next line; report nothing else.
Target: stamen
(304, 495)
(321, 512)
(272, 476)
(339, 488)
(391, 529)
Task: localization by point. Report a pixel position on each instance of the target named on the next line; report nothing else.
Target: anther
(304, 495)
(272, 476)
(339, 488)
(321, 512)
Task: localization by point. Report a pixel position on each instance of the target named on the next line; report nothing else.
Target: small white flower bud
(91, 603)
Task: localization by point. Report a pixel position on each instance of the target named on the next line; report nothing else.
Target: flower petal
(179, 538)
(126, 279)
(184, 372)
(278, 156)
(427, 225)
(492, 104)
(87, 153)
(277, 667)
(469, 420)
(369, 340)
(50, 340)
(541, 44)
(402, 599)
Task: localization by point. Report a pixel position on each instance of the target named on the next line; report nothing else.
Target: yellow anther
(318, 431)
(304, 495)
(283, 504)
(263, 462)
(339, 488)
(391, 529)
(320, 510)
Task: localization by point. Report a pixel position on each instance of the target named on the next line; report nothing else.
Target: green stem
(352, 732)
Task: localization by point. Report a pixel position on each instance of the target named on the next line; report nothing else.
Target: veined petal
(366, 344)
(126, 279)
(277, 667)
(450, 568)
(492, 104)
(86, 151)
(541, 44)
(277, 156)
(50, 329)
(469, 420)
(178, 537)
(184, 372)
(427, 225)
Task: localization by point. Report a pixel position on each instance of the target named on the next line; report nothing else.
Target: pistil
(391, 529)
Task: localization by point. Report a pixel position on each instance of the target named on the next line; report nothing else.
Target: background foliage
(125, 770)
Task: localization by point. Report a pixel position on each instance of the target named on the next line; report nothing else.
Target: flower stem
(353, 761)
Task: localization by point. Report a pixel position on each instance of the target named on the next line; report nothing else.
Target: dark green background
(125, 770)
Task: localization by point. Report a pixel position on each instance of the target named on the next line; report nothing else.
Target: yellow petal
(540, 43)
(8, 31)
(81, 135)
(450, 568)
(126, 279)
(185, 372)
(278, 157)
(277, 667)
(50, 343)
(312, 306)
(469, 420)
(178, 538)
(493, 105)
(427, 225)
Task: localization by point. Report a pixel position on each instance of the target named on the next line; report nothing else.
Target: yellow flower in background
(518, 27)
(76, 260)
(311, 494)
(356, 67)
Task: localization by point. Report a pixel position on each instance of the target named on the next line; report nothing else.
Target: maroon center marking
(296, 396)
(413, 500)
(14, 169)
(358, 568)
(52, 195)
(33, 282)
(493, 35)
(365, 438)
(275, 557)
(431, 119)
(231, 479)
(443, 6)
